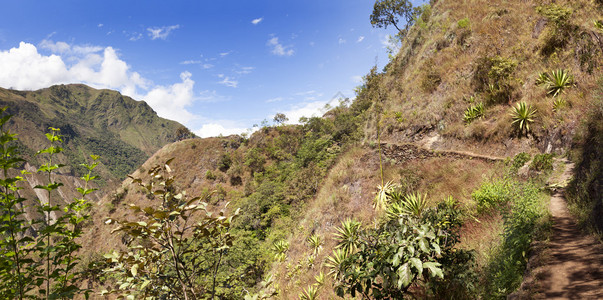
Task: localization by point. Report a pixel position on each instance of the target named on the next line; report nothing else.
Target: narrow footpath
(571, 267)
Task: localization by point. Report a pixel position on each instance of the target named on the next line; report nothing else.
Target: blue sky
(215, 66)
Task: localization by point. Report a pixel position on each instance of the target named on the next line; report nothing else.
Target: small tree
(389, 12)
(176, 249)
(280, 118)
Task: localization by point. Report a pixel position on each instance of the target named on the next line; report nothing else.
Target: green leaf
(134, 270)
(404, 276)
(434, 269)
(415, 262)
(423, 245)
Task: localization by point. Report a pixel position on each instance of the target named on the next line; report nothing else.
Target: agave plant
(412, 204)
(543, 78)
(335, 263)
(309, 294)
(348, 235)
(523, 116)
(556, 82)
(280, 248)
(315, 242)
(474, 112)
(381, 199)
(320, 279)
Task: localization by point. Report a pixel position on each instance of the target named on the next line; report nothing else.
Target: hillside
(423, 186)
(124, 132)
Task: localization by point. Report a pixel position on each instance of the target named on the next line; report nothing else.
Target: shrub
(209, 175)
(37, 256)
(558, 104)
(522, 214)
(494, 76)
(463, 23)
(491, 195)
(560, 33)
(542, 162)
(518, 161)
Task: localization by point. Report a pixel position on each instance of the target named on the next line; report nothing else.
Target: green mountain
(124, 132)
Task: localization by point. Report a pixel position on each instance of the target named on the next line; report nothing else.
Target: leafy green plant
(347, 235)
(389, 259)
(168, 256)
(44, 263)
(320, 279)
(556, 82)
(473, 112)
(518, 161)
(523, 115)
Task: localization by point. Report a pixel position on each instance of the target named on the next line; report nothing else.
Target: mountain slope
(124, 132)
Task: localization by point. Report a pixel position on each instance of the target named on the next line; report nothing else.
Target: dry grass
(503, 28)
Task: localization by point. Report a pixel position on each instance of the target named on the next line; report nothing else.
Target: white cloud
(244, 70)
(58, 47)
(135, 36)
(360, 39)
(212, 97)
(277, 99)
(100, 25)
(341, 41)
(223, 54)
(216, 129)
(228, 81)
(161, 32)
(308, 110)
(278, 48)
(257, 21)
(207, 66)
(190, 62)
(24, 68)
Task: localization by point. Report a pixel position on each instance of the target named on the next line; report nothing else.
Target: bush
(561, 31)
(463, 23)
(522, 214)
(542, 162)
(491, 195)
(494, 77)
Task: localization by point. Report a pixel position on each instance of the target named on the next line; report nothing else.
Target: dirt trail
(571, 266)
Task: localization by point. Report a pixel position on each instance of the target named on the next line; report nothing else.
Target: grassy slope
(416, 106)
